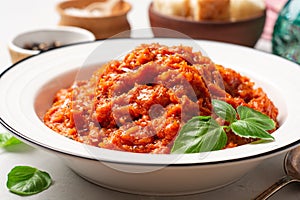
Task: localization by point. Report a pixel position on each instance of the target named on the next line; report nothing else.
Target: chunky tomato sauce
(139, 104)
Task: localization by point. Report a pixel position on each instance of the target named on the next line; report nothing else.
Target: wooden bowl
(101, 26)
(244, 32)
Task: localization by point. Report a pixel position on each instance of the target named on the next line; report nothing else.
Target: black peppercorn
(43, 46)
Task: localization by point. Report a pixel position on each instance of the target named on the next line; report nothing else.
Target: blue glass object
(286, 34)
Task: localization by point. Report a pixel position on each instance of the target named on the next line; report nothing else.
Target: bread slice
(210, 9)
(242, 9)
(172, 7)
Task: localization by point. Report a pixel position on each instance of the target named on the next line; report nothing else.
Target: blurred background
(244, 22)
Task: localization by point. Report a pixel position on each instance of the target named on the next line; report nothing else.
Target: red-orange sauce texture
(139, 104)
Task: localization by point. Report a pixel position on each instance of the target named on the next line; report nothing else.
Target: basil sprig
(203, 133)
(26, 180)
(7, 139)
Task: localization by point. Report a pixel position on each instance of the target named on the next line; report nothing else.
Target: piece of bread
(210, 9)
(172, 7)
(242, 9)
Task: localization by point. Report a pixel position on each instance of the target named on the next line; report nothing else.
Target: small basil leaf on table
(200, 134)
(26, 180)
(7, 139)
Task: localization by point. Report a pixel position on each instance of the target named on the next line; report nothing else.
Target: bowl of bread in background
(233, 21)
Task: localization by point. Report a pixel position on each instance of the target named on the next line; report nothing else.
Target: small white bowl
(62, 34)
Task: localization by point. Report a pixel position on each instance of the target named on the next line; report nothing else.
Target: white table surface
(22, 15)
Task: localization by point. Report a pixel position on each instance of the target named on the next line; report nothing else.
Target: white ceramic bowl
(27, 89)
(62, 34)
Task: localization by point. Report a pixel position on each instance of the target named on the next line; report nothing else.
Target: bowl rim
(262, 155)
(89, 36)
(61, 10)
(179, 19)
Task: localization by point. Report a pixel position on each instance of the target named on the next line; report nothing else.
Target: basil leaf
(7, 139)
(203, 133)
(26, 180)
(255, 117)
(247, 129)
(224, 110)
(200, 134)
